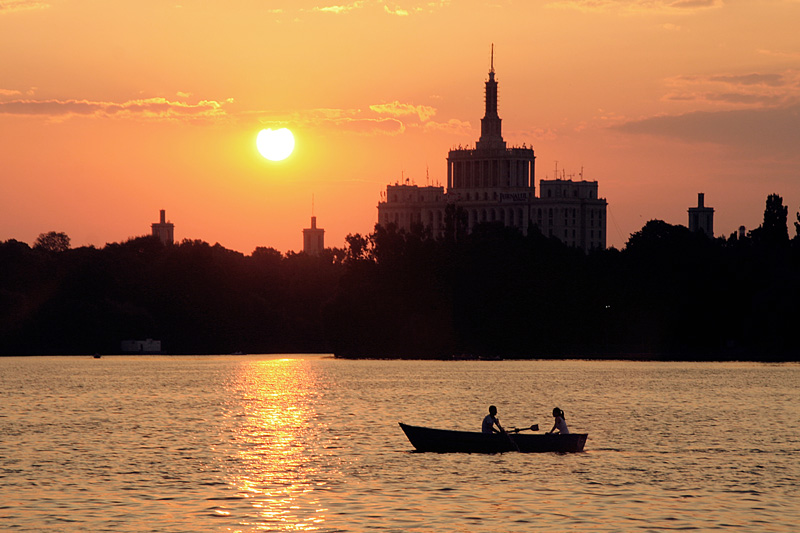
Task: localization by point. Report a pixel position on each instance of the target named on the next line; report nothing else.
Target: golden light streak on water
(278, 411)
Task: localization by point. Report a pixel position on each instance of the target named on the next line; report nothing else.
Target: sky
(111, 111)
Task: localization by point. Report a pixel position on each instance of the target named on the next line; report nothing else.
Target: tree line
(493, 292)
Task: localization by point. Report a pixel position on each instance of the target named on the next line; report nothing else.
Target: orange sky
(110, 111)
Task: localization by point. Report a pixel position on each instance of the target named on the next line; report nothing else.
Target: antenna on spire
(491, 64)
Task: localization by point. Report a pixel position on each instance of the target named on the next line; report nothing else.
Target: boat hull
(448, 441)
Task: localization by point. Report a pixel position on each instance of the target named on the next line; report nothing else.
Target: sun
(275, 145)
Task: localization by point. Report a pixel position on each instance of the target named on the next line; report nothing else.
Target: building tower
(701, 218)
(313, 238)
(164, 230)
(491, 123)
(492, 183)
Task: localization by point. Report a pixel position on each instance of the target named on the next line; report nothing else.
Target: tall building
(701, 218)
(495, 183)
(313, 238)
(164, 230)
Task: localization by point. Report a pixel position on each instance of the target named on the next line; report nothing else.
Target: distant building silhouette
(701, 218)
(313, 238)
(164, 230)
(148, 346)
(494, 183)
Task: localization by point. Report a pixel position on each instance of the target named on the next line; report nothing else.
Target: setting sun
(275, 145)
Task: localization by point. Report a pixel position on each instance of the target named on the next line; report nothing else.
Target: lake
(311, 443)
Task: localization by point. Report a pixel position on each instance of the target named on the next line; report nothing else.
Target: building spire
(491, 134)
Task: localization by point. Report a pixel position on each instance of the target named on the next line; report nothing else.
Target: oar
(534, 427)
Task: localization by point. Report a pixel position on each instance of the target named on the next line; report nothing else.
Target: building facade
(164, 230)
(495, 183)
(572, 212)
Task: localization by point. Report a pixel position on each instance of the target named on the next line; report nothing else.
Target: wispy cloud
(144, 109)
(15, 6)
(780, 53)
(639, 6)
(395, 11)
(753, 90)
(756, 112)
(9, 92)
(395, 108)
(349, 121)
(335, 9)
(390, 118)
(390, 8)
(452, 126)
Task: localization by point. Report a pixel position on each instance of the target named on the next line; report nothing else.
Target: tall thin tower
(163, 230)
(313, 237)
(491, 134)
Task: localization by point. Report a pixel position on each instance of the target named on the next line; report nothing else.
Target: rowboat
(447, 440)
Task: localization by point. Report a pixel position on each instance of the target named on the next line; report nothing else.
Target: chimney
(163, 216)
(700, 199)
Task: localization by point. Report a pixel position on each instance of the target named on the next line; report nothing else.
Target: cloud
(772, 80)
(15, 6)
(371, 126)
(396, 11)
(753, 90)
(148, 109)
(779, 53)
(397, 109)
(333, 119)
(773, 130)
(340, 9)
(9, 92)
(452, 126)
(639, 6)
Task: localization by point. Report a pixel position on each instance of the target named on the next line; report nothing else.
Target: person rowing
(490, 420)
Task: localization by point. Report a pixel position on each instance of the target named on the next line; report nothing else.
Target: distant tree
(657, 236)
(775, 217)
(455, 223)
(52, 241)
(265, 254)
(358, 247)
(797, 226)
(774, 230)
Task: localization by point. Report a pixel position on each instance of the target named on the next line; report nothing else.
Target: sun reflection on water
(278, 470)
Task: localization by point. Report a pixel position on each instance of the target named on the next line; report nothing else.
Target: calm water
(310, 443)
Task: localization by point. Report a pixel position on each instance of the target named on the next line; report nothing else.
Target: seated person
(560, 424)
(490, 421)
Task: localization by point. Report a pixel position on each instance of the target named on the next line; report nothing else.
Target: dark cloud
(766, 130)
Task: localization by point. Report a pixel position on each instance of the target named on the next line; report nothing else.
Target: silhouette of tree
(455, 223)
(797, 227)
(774, 230)
(359, 248)
(52, 241)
